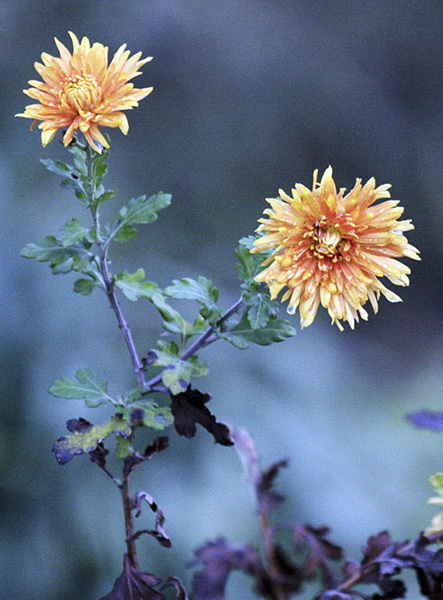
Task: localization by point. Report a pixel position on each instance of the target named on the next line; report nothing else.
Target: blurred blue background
(249, 97)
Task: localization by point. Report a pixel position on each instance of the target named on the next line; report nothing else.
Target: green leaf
(173, 321)
(87, 386)
(133, 287)
(80, 163)
(200, 290)
(259, 306)
(241, 335)
(84, 286)
(156, 417)
(177, 373)
(57, 166)
(123, 446)
(437, 483)
(73, 232)
(73, 177)
(249, 264)
(125, 233)
(61, 259)
(143, 211)
(100, 166)
(104, 196)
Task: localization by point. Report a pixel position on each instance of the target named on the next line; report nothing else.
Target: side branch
(204, 340)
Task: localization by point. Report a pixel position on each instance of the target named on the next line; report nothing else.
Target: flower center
(80, 93)
(327, 240)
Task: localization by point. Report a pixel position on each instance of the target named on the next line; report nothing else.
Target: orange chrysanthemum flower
(81, 91)
(330, 248)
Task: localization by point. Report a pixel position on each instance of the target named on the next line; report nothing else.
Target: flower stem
(102, 250)
(107, 278)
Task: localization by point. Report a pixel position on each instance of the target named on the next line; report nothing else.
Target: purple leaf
(188, 409)
(174, 582)
(159, 533)
(427, 419)
(319, 551)
(263, 481)
(159, 444)
(134, 585)
(219, 558)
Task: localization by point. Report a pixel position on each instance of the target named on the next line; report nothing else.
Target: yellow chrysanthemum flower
(330, 248)
(81, 91)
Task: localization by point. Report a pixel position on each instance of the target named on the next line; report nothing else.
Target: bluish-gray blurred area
(249, 97)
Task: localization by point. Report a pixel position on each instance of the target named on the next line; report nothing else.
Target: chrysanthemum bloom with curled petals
(81, 91)
(329, 248)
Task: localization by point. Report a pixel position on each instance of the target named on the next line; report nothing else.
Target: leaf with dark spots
(134, 585)
(160, 533)
(427, 419)
(86, 437)
(188, 409)
(219, 558)
(136, 416)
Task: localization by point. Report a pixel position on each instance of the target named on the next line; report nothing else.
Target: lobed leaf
(172, 319)
(134, 584)
(133, 287)
(188, 409)
(86, 437)
(218, 559)
(201, 290)
(177, 373)
(61, 259)
(87, 386)
(143, 210)
(149, 414)
(73, 232)
(85, 286)
(249, 264)
(242, 334)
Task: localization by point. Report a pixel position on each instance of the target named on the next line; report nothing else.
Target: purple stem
(201, 342)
